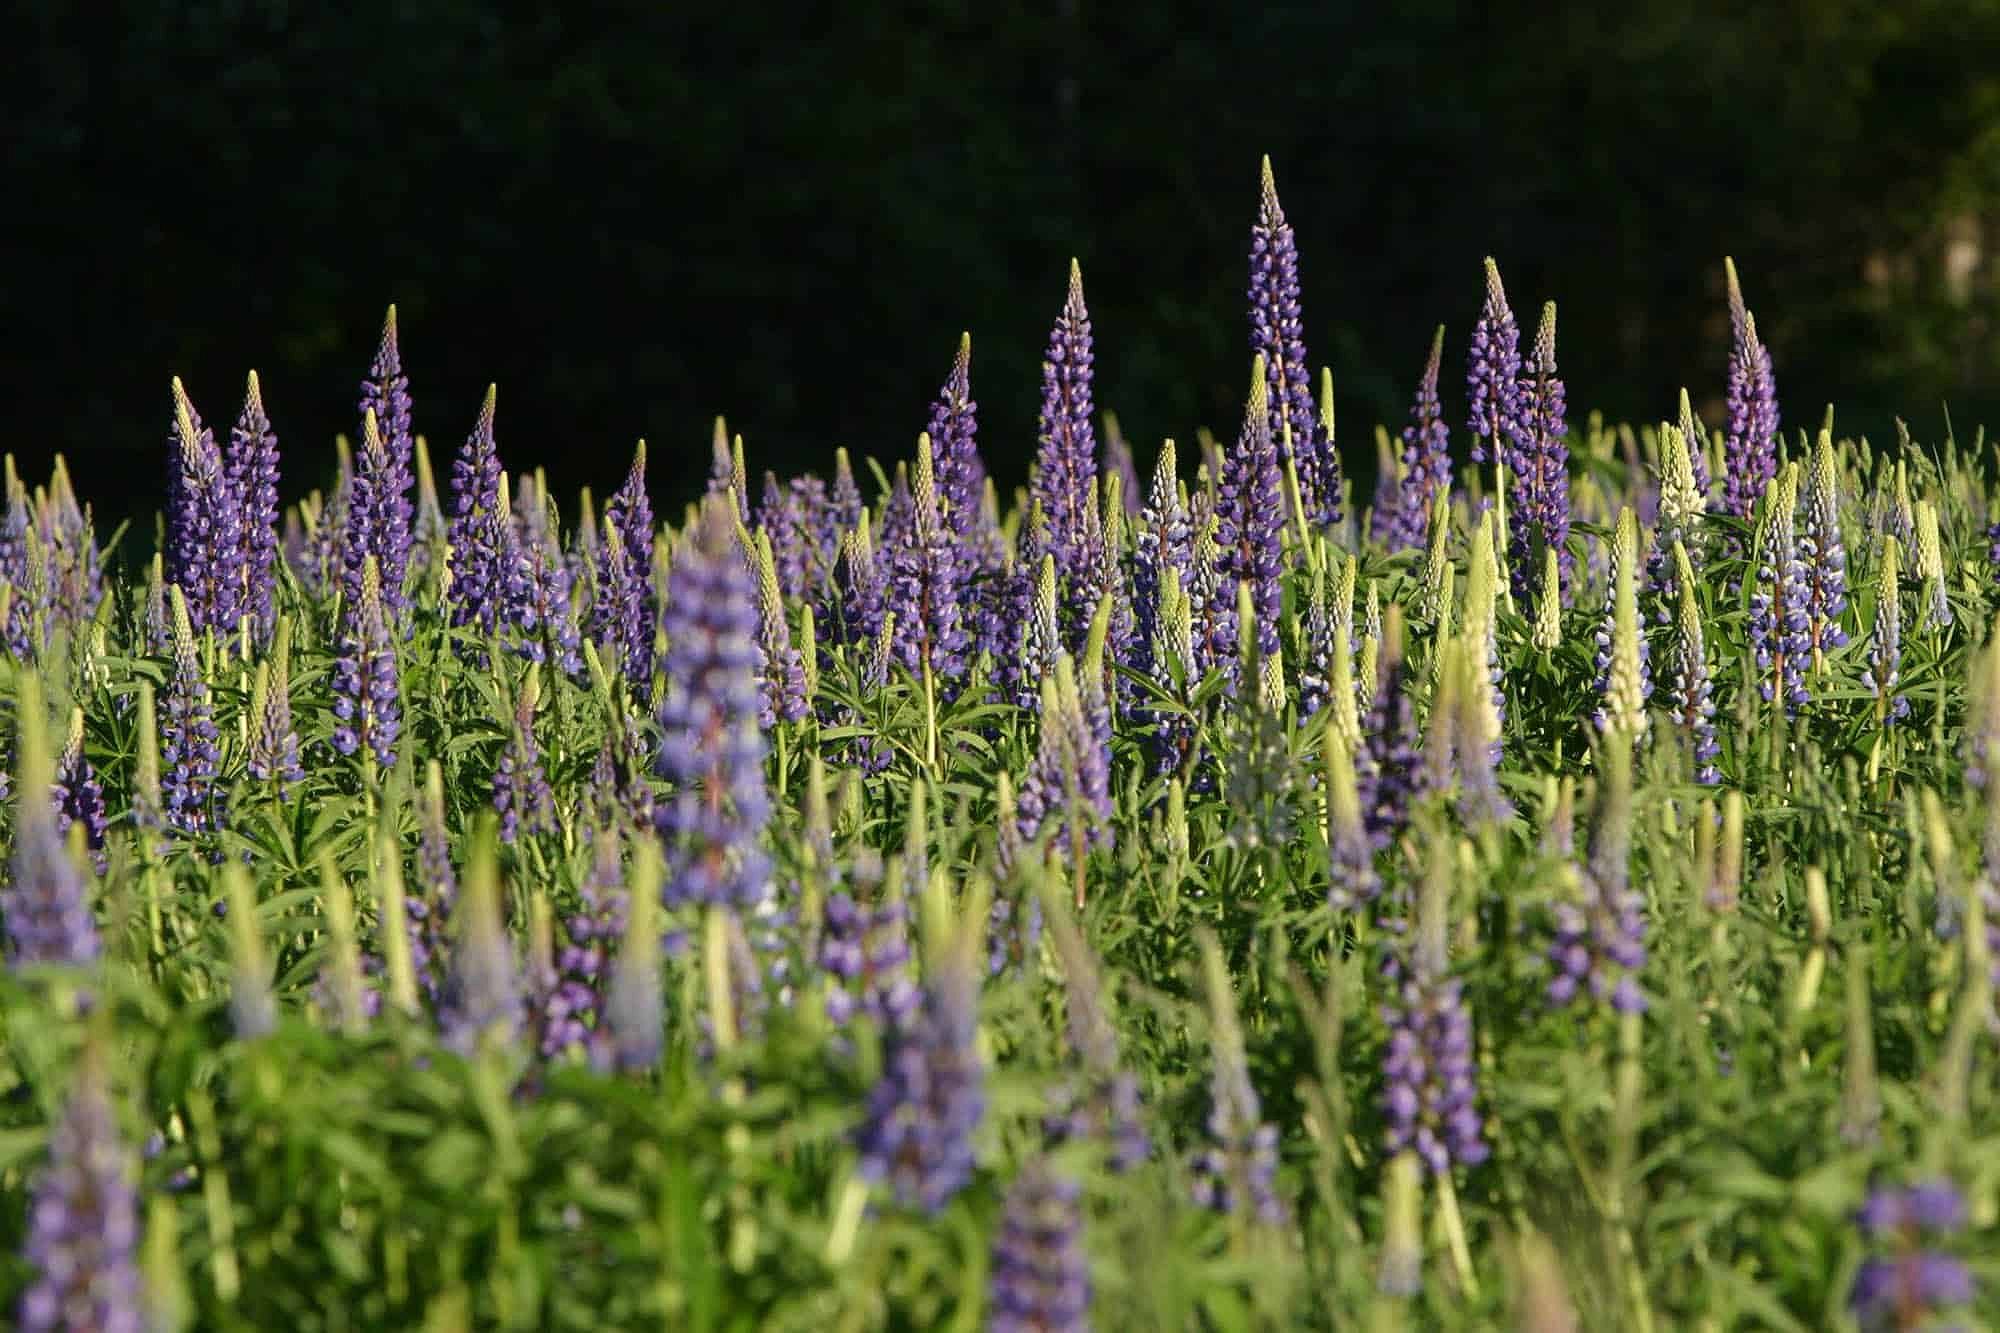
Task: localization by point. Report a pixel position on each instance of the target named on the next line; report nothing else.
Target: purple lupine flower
(1101, 1101)
(726, 476)
(252, 469)
(571, 993)
(1064, 481)
(712, 751)
(1493, 375)
(1119, 463)
(1917, 1280)
(274, 741)
(788, 519)
(318, 566)
(1689, 693)
(1041, 1275)
(1599, 944)
(79, 796)
(1211, 597)
(1779, 619)
(1277, 335)
(367, 699)
(1067, 790)
(83, 1224)
(1539, 505)
(480, 538)
(386, 395)
(1161, 541)
(923, 1111)
(844, 504)
(521, 792)
(47, 902)
(1823, 550)
(189, 753)
(1426, 459)
(961, 473)
(482, 994)
(865, 951)
(624, 610)
(1428, 1069)
(204, 549)
(783, 676)
(1885, 645)
(428, 911)
(540, 605)
(1750, 442)
(856, 600)
(926, 580)
(1390, 773)
(1237, 1172)
(1250, 522)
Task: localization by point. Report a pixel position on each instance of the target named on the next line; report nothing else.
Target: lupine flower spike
(1250, 515)
(1625, 676)
(1824, 551)
(521, 792)
(1426, 456)
(1779, 605)
(1916, 1279)
(47, 902)
(83, 1223)
(482, 999)
(274, 742)
(1930, 566)
(1237, 1173)
(1277, 338)
(1690, 698)
(1750, 444)
(190, 754)
(1041, 1276)
(1885, 647)
(79, 796)
(204, 540)
(1682, 505)
(367, 698)
(1538, 516)
(1065, 471)
(1102, 1102)
(481, 540)
(252, 467)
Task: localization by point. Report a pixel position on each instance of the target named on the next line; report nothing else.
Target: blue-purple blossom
(190, 754)
(252, 469)
(1067, 791)
(1426, 461)
(916, 1134)
(1428, 1069)
(1780, 619)
(367, 698)
(1100, 1101)
(1237, 1172)
(624, 610)
(1823, 550)
(1885, 645)
(1538, 504)
(1064, 480)
(865, 951)
(1493, 375)
(521, 792)
(79, 796)
(1750, 440)
(1161, 541)
(385, 395)
(961, 473)
(204, 540)
(1690, 697)
(538, 588)
(1277, 335)
(46, 902)
(926, 583)
(712, 752)
(1041, 1275)
(1902, 1289)
(481, 539)
(1389, 770)
(1599, 944)
(482, 995)
(83, 1223)
(1250, 521)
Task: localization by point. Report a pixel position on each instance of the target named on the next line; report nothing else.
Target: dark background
(634, 220)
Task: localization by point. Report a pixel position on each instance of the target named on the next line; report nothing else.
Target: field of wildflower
(1560, 891)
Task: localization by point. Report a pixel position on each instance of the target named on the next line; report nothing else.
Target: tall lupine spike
(1885, 647)
(1120, 463)
(149, 807)
(1437, 565)
(926, 582)
(521, 794)
(482, 999)
(1695, 435)
(383, 479)
(1316, 648)
(253, 1009)
(1102, 1103)
(393, 925)
(1750, 444)
(274, 741)
(1824, 550)
(625, 608)
(1067, 790)
(253, 475)
(83, 1223)
(79, 796)
(1389, 764)
(1627, 680)
(481, 540)
(1539, 508)
(1778, 606)
(1480, 800)
(1690, 697)
(1341, 683)
(1426, 455)
(1351, 854)
(1040, 1272)
(1493, 375)
(204, 546)
(1482, 619)
(721, 463)
(367, 694)
(784, 674)
(542, 607)
(713, 752)
(857, 599)
(1930, 566)
(430, 909)
(1599, 941)
(1250, 514)
(1236, 1174)
(1682, 506)
(342, 993)
(189, 753)
(1161, 541)
(1065, 471)
(1546, 632)
(1277, 340)
(47, 903)
(961, 474)
(1386, 516)
(865, 948)
(921, 1116)
(844, 499)
(1212, 599)
(1041, 636)
(1441, 738)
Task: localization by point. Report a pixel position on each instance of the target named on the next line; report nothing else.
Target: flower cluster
(367, 699)
(1277, 336)
(83, 1224)
(1750, 442)
(1902, 1290)
(1041, 1276)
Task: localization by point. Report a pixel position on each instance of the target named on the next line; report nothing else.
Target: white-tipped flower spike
(344, 997)
(1627, 684)
(1547, 632)
(1352, 859)
(1885, 649)
(1437, 561)
(883, 651)
(1480, 799)
(1044, 630)
(1930, 566)
(1271, 683)
(1372, 621)
(1824, 550)
(1177, 622)
(1690, 696)
(1400, 1269)
(1341, 692)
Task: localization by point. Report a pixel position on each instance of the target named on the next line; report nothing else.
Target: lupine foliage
(1575, 911)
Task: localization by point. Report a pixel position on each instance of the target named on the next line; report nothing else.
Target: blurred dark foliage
(634, 218)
